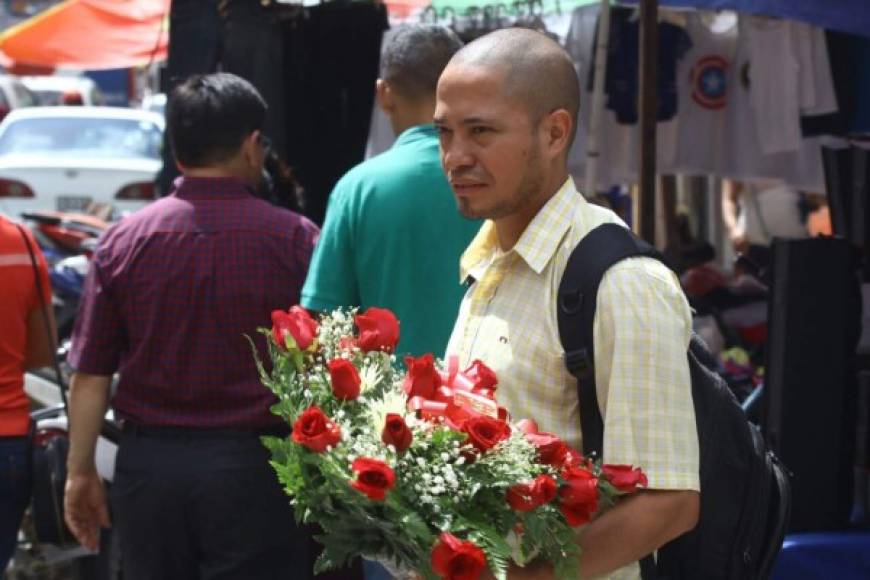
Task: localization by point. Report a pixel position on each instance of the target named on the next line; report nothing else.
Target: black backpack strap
(578, 294)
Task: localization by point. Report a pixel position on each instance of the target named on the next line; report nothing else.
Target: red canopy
(90, 34)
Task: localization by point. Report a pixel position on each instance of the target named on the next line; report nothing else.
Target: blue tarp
(846, 15)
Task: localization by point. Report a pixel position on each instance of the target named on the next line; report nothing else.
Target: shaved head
(537, 71)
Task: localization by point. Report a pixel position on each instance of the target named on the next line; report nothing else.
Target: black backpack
(745, 492)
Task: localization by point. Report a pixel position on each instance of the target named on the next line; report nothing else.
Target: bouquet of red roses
(420, 468)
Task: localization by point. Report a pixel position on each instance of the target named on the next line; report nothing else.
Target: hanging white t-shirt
(790, 75)
(776, 86)
(618, 144)
(817, 82)
(744, 160)
(381, 136)
(770, 209)
(705, 88)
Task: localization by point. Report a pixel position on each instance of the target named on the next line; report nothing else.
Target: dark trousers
(204, 508)
(14, 492)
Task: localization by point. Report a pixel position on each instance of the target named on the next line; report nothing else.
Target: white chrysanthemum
(392, 402)
(370, 375)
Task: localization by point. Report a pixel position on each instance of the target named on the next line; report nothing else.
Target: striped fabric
(641, 332)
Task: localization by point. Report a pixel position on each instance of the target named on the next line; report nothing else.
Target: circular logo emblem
(709, 82)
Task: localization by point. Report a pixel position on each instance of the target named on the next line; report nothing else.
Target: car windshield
(83, 137)
(49, 98)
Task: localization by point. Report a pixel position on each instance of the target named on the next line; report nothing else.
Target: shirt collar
(414, 134)
(537, 244)
(212, 187)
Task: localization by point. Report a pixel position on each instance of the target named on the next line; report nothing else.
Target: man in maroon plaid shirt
(171, 293)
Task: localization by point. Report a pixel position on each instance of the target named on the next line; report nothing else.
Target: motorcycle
(46, 549)
(67, 240)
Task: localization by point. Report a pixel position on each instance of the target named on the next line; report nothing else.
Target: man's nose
(456, 155)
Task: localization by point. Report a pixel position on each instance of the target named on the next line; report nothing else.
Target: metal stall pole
(592, 154)
(648, 69)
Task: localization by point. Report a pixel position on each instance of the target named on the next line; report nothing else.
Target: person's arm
(633, 529)
(85, 508)
(40, 344)
(731, 193)
(98, 341)
(641, 333)
(636, 527)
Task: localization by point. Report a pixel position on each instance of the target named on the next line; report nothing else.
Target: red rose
(525, 497)
(574, 458)
(373, 478)
(485, 432)
(422, 379)
(455, 559)
(551, 449)
(378, 330)
(345, 379)
(297, 325)
(624, 478)
(481, 375)
(396, 432)
(315, 430)
(578, 496)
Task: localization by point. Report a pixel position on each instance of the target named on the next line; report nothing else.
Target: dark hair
(209, 116)
(415, 56)
(279, 186)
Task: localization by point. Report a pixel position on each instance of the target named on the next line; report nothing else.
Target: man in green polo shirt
(393, 236)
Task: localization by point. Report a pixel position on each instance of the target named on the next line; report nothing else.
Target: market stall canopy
(90, 34)
(845, 15)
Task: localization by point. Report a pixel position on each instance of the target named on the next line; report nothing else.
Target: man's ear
(251, 146)
(384, 95)
(558, 131)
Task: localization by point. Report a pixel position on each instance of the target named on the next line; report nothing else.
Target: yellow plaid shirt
(641, 334)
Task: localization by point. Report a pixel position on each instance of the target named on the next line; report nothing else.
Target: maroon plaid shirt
(170, 294)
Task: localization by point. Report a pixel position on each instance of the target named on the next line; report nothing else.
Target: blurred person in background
(393, 235)
(757, 211)
(25, 342)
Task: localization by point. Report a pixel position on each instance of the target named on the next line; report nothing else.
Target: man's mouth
(467, 187)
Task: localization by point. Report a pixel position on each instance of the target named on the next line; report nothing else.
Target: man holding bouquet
(506, 113)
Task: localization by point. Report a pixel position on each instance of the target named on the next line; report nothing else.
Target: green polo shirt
(393, 238)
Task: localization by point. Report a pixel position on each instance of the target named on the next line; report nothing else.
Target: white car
(156, 103)
(64, 158)
(53, 90)
(14, 95)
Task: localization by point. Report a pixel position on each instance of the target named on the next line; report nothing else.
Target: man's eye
(442, 130)
(480, 130)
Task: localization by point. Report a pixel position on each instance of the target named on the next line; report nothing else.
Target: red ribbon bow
(457, 399)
